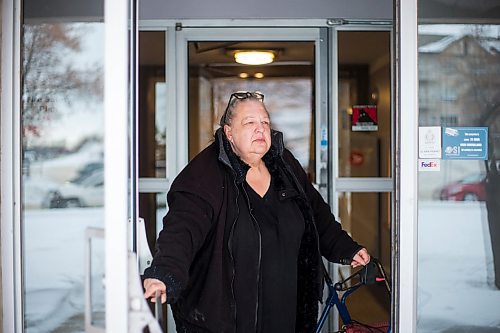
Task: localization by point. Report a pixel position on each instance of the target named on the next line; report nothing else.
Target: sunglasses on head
(247, 94)
(240, 95)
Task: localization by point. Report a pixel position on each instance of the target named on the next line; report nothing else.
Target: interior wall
(264, 9)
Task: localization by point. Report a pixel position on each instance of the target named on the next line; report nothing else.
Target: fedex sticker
(429, 165)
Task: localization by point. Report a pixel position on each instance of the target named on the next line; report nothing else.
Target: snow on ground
(455, 269)
(54, 262)
(455, 286)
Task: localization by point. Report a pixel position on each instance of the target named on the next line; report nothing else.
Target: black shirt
(281, 226)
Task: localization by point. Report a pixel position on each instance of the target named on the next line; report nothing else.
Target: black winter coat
(193, 253)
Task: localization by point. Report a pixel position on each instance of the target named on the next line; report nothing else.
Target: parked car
(87, 170)
(37, 192)
(470, 188)
(84, 191)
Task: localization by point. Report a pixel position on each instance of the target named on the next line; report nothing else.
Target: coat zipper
(254, 220)
(230, 248)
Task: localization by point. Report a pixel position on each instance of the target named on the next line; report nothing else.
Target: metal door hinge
(339, 21)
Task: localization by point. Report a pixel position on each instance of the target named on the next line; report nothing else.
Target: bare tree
(476, 61)
(49, 75)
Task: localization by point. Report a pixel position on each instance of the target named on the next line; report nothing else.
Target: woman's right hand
(152, 286)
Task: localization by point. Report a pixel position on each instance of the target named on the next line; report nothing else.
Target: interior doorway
(363, 155)
(317, 76)
(287, 84)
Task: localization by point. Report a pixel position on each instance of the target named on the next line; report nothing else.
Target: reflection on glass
(366, 217)
(459, 233)
(152, 208)
(62, 160)
(364, 104)
(161, 209)
(288, 91)
(161, 130)
(97, 282)
(152, 105)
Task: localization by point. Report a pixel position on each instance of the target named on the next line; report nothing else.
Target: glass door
(287, 84)
(63, 179)
(156, 138)
(295, 86)
(362, 163)
(351, 168)
(458, 201)
(186, 77)
(73, 125)
(209, 75)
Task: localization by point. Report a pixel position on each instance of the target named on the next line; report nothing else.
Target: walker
(372, 273)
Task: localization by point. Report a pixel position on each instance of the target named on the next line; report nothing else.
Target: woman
(241, 246)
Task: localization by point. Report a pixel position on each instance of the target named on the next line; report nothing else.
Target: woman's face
(250, 131)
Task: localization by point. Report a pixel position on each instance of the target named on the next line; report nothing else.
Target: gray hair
(227, 116)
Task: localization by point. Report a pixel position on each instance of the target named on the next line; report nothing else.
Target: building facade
(103, 104)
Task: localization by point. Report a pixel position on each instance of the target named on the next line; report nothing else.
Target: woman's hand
(152, 286)
(361, 258)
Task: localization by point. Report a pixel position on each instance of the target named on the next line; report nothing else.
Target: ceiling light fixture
(258, 75)
(254, 57)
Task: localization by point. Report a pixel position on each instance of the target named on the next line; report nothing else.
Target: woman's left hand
(361, 258)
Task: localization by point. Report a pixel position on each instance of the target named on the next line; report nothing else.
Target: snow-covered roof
(490, 45)
(438, 46)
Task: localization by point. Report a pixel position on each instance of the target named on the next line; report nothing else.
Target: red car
(470, 188)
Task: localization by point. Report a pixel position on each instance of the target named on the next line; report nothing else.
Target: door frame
(405, 98)
(355, 184)
(326, 115)
(10, 167)
(405, 260)
(117, 161)
(185, 35)
(116, 137)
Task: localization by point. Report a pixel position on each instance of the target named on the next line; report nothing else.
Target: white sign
(429, 165)
(429, 142)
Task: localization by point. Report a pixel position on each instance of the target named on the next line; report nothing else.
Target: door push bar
(139, 313)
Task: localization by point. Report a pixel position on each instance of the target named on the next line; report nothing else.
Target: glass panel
(152, 104)
(97, 282)
(152, 208)
(364, 85)
(62, 162)
(287, 84)
(459, 234)
(366, 217)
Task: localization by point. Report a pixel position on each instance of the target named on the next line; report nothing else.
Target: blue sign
(465, 143)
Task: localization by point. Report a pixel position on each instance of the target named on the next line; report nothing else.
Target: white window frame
(406, 172)
(354, 184)
(116, 161)
(10, 168)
